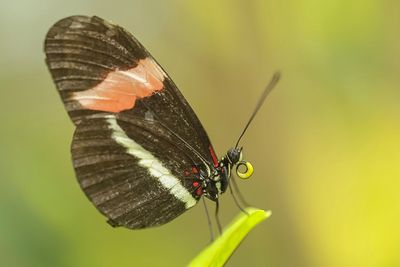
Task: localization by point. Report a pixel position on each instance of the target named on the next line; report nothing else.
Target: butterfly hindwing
(136, 135)
(121, 177)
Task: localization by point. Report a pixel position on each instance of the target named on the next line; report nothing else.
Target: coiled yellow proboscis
(247, 172)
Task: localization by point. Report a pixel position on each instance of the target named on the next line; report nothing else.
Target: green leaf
(218, 252)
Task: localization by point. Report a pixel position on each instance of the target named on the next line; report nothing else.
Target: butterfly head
(234, 155)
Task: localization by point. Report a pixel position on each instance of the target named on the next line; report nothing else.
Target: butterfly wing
(136, 136)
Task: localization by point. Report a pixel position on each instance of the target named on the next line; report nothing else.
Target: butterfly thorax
(219, 180)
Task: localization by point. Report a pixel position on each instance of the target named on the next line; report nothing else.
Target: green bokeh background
(326, 146)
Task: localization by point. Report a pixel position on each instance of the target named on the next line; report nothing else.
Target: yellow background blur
(326, 146)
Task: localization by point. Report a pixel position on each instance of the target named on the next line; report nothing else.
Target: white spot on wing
(149, 116)
(139, 75)
(154, 166)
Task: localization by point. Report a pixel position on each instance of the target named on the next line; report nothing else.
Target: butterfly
(140, 153)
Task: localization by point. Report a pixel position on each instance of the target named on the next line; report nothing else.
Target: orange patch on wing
(120, 89)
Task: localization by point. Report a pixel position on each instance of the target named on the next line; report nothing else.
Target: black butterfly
(139, 151)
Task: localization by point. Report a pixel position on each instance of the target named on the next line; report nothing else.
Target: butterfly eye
(244, 169)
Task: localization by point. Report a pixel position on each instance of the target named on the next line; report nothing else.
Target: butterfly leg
(236, 188)
(208, 220)
(236, 201)
(216, 216)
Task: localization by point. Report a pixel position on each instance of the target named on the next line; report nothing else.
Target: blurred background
(325, 146)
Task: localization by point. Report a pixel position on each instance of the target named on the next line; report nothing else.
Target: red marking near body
(120, 89)
(195, 184)
(186, 173)
(194, 170)
(199, 191)
(214, 158)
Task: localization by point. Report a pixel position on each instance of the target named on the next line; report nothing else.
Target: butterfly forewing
(136, 136)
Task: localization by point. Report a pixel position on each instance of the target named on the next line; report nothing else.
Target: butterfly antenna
(268, 89)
